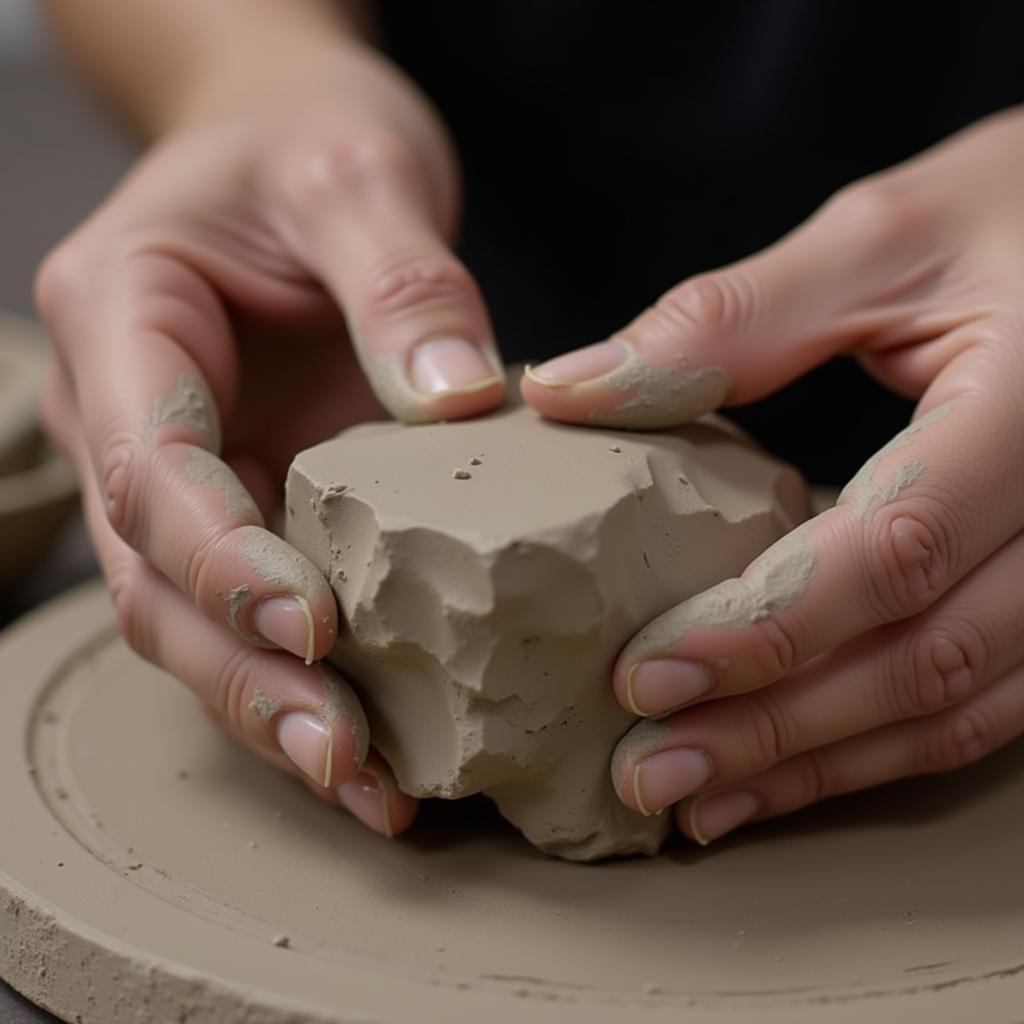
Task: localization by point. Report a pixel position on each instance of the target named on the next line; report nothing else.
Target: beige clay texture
(489, 572)
(163, 873)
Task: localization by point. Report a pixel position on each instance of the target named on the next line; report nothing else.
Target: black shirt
(612, 149)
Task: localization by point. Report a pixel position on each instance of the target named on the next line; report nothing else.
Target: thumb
(363, 218)
(736, 334)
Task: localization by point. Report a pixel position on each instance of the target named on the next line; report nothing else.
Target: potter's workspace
(511, 513)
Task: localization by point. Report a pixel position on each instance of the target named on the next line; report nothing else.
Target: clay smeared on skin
(340, 704)
(278, 563)
(659, 396)
(264, 706)
(864, 494)
(189, 403)
(481, 620)
(390, 381)
(775, 581)
(205, 469)
(237, 599)
(645, 738)
(654, 397)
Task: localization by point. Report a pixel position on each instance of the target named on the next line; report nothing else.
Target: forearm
(154, 62)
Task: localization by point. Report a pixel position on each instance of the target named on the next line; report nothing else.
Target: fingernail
(582, 365)
(306, 740)
(711, 817)
(668, 776)
(287, 622)
(366, 796)
(449, 364)
(664, 684)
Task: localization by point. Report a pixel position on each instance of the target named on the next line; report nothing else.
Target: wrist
(253, 66)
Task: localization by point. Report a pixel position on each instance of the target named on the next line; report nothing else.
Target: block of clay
(488, 573)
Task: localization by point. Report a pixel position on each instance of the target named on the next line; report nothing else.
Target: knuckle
(960, 738)
(880, 210)
(122, 480)
(775, 649)
(773, 731)
(415, 284)
(231, 685)
(706, 305)
(911, 564)
(126, 585)
(812, 781)
(200, 565)
(59, 279)
(333, 167)
(947, 663)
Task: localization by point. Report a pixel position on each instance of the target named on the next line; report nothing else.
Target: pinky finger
(942, 742)
(374, 798)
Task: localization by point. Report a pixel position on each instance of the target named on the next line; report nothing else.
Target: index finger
(924, 511)
(145, 342)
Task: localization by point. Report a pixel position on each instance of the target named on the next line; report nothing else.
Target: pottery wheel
(151, 870)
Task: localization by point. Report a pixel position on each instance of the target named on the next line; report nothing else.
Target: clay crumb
(461, 474)
(264, 706)
(615, 448)
(281, 941)
(475, 461)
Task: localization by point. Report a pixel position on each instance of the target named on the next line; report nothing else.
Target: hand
(199, 319)
(885, 637)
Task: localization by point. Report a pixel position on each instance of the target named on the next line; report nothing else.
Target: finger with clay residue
(151, 366)
(919, 516)
(253, 691)
(205, 533)
(374, 798)
(611, 384)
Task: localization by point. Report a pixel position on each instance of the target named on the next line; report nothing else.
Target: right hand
(199, 318)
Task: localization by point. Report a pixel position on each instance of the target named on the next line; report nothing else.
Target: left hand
(885, 637)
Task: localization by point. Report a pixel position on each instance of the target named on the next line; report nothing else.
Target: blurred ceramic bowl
(37, 487)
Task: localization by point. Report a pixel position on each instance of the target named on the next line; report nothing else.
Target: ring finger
(943, 742)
